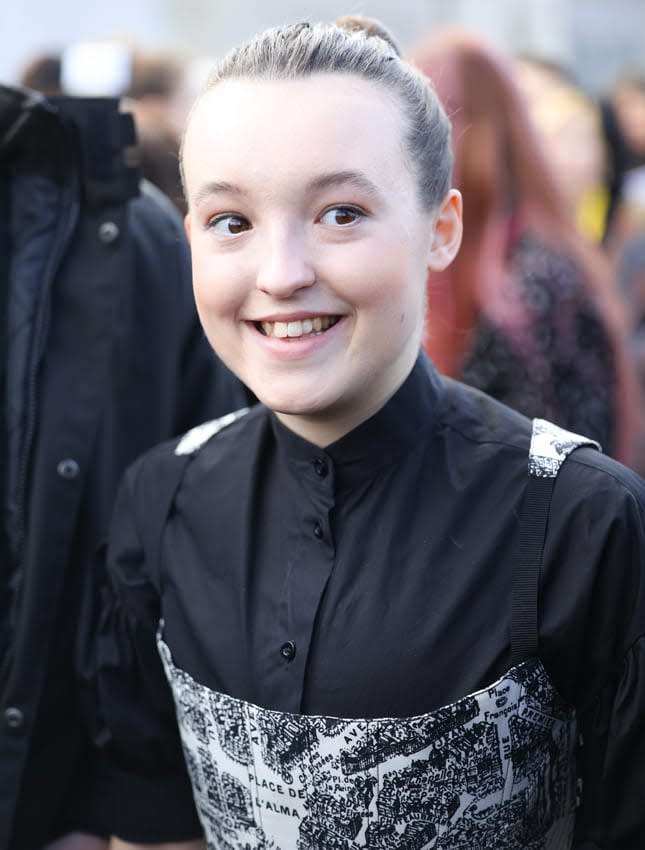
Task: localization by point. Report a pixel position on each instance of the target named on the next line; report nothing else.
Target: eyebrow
(215, 187)
(324, 181)
(342, 178)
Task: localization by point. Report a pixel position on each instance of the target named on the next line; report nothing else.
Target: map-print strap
(169, 476)
(193, 440)
(550, 447)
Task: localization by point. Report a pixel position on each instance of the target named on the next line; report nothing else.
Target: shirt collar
(409, 416)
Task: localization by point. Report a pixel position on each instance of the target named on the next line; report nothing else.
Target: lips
(298, 328)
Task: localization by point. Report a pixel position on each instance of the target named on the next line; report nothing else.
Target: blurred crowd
(157, 88)
(545, 306)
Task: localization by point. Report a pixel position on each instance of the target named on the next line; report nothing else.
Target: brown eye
(341, 216)
(229, 224)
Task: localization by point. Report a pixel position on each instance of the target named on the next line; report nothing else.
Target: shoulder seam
(488, 441)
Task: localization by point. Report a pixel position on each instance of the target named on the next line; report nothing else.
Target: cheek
(208, 308)
(391, 302)
(376, 274)
(216, 287)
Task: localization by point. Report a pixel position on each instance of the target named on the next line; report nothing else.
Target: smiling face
(310, 246)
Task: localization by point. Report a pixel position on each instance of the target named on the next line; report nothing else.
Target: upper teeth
(299, 327)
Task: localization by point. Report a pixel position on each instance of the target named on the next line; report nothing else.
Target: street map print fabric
(550, 447)
(493, 770)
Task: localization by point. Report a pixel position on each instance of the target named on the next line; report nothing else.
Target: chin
(290, 404)
(288, 407)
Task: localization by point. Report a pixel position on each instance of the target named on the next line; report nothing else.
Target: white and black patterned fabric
(495, 769)
(193, 440)
(550, 447)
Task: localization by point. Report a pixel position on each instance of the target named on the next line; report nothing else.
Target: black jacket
(102, 356)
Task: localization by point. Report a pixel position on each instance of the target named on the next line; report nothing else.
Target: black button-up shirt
(373, 578)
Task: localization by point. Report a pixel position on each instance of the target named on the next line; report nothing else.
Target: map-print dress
(495, 769)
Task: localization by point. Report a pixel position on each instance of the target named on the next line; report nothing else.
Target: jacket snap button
(68, 468)
(288, 650)
(318, 530)
(108, 232)
(13, 717)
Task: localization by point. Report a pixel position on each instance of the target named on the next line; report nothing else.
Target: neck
(323, 429)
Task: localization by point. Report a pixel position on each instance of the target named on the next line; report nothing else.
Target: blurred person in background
(101, 356)
(626, 109)
(43, 73)
(628, 101)
(569, 122)
(631, 279)
(155, 81)
(149, 83)
(528, 312)
(626, 245)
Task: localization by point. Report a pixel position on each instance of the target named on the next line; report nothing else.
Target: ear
(187, 225)
(446, 232)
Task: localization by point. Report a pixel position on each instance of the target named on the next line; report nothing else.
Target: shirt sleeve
(612, 813)
(136, 727)
(612, 715)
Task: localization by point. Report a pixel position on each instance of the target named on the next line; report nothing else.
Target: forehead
(272, 127)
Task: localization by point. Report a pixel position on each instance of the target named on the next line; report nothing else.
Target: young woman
(387, 606)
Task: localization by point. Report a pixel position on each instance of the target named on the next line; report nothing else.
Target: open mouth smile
(298, 328)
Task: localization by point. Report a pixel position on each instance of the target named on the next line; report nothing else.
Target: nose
(284, 266)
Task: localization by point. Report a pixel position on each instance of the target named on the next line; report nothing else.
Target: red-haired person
(528, 312)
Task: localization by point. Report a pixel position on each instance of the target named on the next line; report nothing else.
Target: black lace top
(563, 369)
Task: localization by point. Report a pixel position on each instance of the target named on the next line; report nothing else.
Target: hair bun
(371, 27)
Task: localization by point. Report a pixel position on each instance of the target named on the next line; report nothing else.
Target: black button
(288, 650)
(318, 530)
(68, 468)
(13, 717)
(320, 465)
